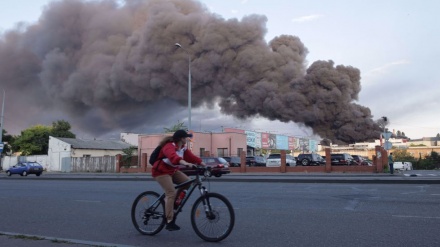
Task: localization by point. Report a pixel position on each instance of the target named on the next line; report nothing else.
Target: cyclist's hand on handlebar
(187, 164)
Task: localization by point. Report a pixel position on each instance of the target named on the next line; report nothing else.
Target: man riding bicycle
(166, 169)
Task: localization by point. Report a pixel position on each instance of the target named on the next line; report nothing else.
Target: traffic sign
(387, 145)
(386, 135)
(1, 147)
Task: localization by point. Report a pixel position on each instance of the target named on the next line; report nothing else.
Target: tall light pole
(189, 84)
(1, 118)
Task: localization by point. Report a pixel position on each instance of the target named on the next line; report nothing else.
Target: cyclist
(166, 170)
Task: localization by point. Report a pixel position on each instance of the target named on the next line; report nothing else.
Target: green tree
(6, 139)
(430, 162)
(127, 156)
(174, 128)
(402, 155)
(34, 140)
(61, 128)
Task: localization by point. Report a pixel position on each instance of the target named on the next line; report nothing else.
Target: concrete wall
(9, 161)
(77, 153)
(58, 150)
(130, 138)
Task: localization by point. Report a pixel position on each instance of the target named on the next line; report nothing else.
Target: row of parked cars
(310, 159)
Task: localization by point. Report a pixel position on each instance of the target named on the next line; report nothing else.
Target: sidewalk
(407, 177)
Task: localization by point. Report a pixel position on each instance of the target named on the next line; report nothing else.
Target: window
(202, 152)
(222, 152)
(86, 156)
(239, 150)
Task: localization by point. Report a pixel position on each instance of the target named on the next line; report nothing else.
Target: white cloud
(306, 18)
(383, 69)
(234, 11)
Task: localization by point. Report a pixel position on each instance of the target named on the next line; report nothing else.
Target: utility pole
(1, 131)
(1, 118)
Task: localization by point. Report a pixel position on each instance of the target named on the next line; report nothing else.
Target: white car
(274, 160)
(402, 165)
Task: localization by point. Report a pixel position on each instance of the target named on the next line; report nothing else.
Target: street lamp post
(189, 84)
(1, 118)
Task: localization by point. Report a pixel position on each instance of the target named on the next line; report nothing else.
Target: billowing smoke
(111, 66)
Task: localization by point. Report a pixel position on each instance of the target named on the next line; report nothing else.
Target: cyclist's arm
(189, 157)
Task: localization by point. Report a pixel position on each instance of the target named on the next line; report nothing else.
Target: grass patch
(27, 237)
(60, 241)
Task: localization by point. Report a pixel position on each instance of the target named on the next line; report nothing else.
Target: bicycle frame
(194, 183)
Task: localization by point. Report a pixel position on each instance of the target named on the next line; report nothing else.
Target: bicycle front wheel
(212, 217)
(148, 213)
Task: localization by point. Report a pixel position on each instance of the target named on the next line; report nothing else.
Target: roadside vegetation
(428, 162)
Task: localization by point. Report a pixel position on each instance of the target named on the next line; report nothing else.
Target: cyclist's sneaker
(172, 226)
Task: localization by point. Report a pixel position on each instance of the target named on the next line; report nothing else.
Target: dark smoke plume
(111, 66)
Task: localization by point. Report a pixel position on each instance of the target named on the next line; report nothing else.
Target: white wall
(9, 161)
(78, 153)
(130, 138)
(57, 151)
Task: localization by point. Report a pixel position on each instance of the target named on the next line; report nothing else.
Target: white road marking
(414, 216)
(87, 201)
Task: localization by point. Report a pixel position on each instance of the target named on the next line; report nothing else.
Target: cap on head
(181, 134)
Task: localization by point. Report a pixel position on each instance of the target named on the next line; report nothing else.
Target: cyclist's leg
(166, 182)
(180, 177)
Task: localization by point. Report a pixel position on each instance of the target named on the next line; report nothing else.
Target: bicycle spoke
(216, 224)
(148, 218)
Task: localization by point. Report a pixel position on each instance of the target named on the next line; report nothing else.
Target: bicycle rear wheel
(147, 213)
(212, 217)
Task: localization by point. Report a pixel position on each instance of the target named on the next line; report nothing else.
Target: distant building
(61, 150)
(130, 138)
(426, 141)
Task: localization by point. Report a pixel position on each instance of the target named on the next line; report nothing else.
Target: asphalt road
(97, 212)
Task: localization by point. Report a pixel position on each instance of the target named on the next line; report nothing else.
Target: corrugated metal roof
(95, 144)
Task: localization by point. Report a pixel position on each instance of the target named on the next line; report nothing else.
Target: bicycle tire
(216, 226)
(148, 223)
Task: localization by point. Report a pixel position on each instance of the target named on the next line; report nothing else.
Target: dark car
(343, 159)
(219, 166)
(233, 161)
(25, 168)
(255, 161)
(359, 159)
(310, 159)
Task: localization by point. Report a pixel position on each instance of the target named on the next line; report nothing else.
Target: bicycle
(212, 215)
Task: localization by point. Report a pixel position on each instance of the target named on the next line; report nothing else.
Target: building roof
(95, 144)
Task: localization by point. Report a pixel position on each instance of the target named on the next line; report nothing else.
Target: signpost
(387, 145)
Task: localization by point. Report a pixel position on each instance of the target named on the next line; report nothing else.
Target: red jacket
(169, 151)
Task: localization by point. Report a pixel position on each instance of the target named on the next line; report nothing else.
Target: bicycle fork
(206, 204)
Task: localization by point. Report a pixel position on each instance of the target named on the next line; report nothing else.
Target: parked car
(219, 166)
(402, 165)
(25, 168)
(274, 160)
(234, 161)
(343, 159)
(362, 161)
(255, 161)
(310, 159)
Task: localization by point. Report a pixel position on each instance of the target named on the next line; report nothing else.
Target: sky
(394, 43)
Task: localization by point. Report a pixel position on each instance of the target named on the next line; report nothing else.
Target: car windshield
(274, 156)
(223, 161)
